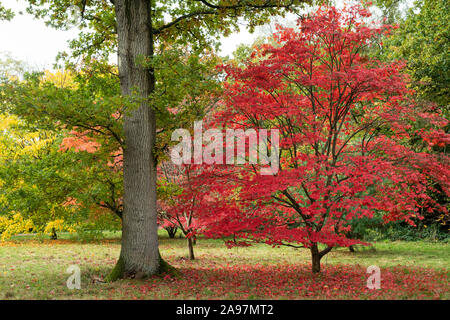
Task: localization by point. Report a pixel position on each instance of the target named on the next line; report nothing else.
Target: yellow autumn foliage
(58, 226)
(60, 78)
(7, 121)
(16, 225)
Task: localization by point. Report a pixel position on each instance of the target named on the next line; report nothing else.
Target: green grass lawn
(31, 269)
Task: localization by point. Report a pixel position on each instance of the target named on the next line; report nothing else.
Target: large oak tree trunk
(139, 254)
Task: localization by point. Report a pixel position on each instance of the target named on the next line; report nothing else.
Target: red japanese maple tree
(180, 200)
(344, 119)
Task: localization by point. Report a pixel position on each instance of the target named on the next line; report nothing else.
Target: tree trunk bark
(171, 232)
(191, 248)
(139, 253)
(315, 255)
(53, 235)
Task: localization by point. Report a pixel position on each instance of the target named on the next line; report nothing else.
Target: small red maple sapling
(179, 200)
(344, 119)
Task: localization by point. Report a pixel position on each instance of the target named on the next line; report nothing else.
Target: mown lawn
(31, 269)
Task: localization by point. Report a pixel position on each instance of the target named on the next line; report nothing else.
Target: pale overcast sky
(31, 41)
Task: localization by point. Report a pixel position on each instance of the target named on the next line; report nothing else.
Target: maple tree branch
(297, 208)
(325, 251)
(291, 245)
(288, 204)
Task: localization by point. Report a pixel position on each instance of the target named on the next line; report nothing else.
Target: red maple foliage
(79, 141)
(180, 200)
(345, 121)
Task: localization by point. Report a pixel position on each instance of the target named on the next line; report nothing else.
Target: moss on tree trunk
(118, 272)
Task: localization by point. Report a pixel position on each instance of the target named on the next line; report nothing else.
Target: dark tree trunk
(351, 248)
(315, 255)
(53, 235)
(139, 253)
(171, 232)
(191, 248)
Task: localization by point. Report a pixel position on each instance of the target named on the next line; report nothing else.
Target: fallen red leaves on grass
(290, 282)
